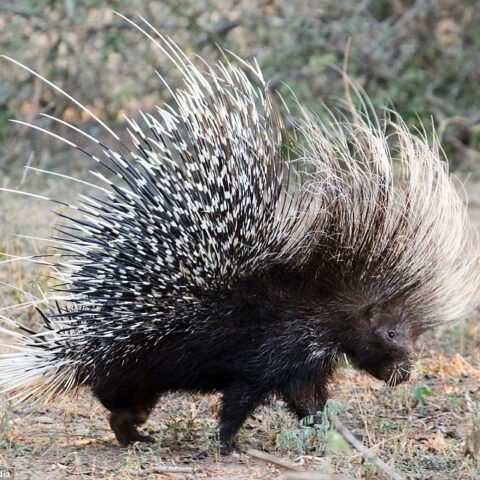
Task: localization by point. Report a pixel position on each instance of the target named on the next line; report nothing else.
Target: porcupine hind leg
(127, 413)
(238, 402)
(124, 424)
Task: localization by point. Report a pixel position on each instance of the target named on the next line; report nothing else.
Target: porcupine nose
(400, 373)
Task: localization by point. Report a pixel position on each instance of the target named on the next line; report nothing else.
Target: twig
(364, 451)
(266, 457)
(166, 469)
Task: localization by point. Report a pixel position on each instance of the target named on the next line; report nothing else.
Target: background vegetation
(422, 56)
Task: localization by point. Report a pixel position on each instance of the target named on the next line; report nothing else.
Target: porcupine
(208, 263)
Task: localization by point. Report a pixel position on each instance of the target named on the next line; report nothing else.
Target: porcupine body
(204, 263)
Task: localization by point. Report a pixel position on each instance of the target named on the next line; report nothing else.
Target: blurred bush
(421, 56)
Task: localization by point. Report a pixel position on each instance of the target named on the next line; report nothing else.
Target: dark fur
(258, 340)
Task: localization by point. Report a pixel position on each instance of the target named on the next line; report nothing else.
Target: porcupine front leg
(238, 402)
(308, 400)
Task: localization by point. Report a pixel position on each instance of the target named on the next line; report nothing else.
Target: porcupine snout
(398, 373)
(393, 370)
(397, 363)
(393, 364)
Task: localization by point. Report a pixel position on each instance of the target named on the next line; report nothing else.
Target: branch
(364, 451)
(266, 457)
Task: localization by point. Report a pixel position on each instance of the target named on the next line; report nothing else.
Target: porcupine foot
(124, 425)
(129, 407)
(238, 402)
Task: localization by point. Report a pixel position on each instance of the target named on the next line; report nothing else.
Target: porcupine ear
(369, 314)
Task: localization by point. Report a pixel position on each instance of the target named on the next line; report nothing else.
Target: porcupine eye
(391, 334)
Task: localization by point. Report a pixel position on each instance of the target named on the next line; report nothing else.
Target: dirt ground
(425, 429)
